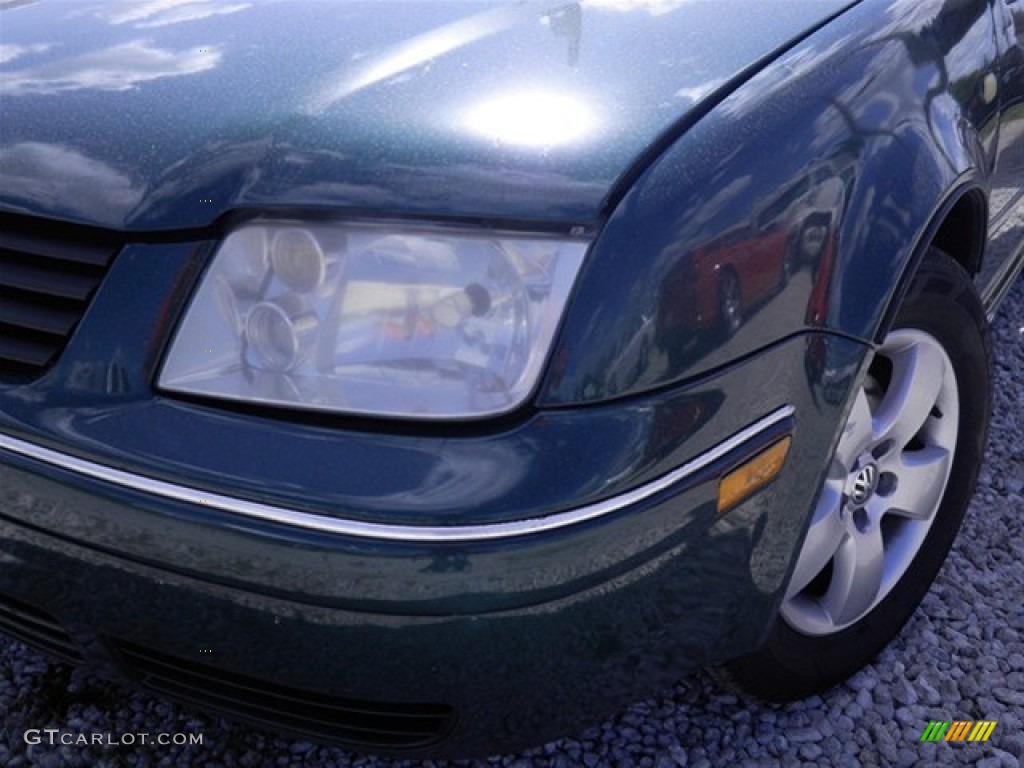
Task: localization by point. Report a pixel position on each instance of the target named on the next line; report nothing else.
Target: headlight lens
(361, 319)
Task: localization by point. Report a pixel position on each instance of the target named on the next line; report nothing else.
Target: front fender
(813, 185)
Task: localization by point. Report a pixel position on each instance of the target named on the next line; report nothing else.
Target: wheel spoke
(921, 479)
(856, 576)
(917, 378)
(856, 435)
(823, 539)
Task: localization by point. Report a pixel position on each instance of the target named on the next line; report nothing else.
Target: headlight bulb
(298, 259)
(474, 300)
(250, 264)
(280, 334)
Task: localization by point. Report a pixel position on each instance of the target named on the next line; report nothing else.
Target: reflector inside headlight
(361, 319)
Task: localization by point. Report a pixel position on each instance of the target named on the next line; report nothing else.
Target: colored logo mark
(958, 730)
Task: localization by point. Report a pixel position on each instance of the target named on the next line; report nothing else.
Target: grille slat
(37, 628)
(49, 272)
(94, 251)
(390, 730)
(45, 277)
(16, 311)
(373, 724)
(25, 351)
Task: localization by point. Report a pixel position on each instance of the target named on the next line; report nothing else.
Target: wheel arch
(957, 227)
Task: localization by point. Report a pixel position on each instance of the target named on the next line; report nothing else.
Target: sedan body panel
(753, 211)
(547, 465)
(1006, 208)
(887, 154)
(432, 109)
(519, 625)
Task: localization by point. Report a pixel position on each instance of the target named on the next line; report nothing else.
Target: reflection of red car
(825, 244)
(724, 279)
(746, 267)
(727, 277)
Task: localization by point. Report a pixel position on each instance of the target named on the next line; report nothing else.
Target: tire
(894, 495)
(811, 240)
(730, 305)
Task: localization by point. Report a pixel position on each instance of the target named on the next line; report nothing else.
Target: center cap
(864, 485)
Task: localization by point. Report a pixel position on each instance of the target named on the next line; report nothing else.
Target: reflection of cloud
(421, 49)
(724, 201)
(654, 7)
(698, 92)
(328, 178)
(11, 52)
(192, 13)
(217, 164)
(460, 474)
(906, 17)
(118, 68)
(159, 13)
(972, 52)
(798, 63)
(127, 11)
(56, 178)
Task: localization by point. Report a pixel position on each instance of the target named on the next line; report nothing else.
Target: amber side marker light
(753, 475)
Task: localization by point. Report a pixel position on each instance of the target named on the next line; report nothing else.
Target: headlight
(410, 323)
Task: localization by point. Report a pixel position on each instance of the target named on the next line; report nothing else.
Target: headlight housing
(365, 319)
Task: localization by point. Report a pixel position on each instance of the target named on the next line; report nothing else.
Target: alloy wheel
(883, 486)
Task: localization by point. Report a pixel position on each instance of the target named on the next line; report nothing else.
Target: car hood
(165, 114)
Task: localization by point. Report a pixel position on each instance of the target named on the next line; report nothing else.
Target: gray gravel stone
(1014, 698)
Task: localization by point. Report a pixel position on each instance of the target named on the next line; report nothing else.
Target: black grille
(37, 628)
(362, 723)
(48, 274)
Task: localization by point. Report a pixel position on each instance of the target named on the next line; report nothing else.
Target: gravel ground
(960, 657)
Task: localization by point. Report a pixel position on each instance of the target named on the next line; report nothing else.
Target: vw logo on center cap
(864, 485)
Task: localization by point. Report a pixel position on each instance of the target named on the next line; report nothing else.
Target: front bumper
(455, 644)
(461, 590)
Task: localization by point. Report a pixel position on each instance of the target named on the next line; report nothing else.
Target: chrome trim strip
(406, 533)
(1001, 285)
(1008, 210)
